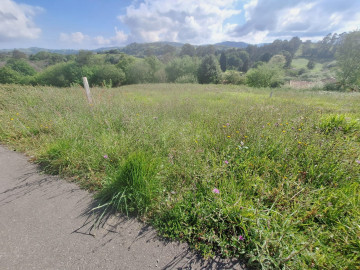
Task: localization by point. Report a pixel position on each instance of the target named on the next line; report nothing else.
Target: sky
(90, 24)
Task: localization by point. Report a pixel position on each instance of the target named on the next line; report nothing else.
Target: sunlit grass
(228, 169)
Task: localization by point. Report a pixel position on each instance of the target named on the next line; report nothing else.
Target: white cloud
(81, 40)
(311, 19)
(190, 21)
(16, 21)
(77, 38)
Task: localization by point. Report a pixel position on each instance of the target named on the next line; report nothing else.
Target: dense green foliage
(265, 75)
(209, 70)
(163, 62)
(274, 181)
(348, 61)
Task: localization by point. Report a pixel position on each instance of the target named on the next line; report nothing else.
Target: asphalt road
(45, 223)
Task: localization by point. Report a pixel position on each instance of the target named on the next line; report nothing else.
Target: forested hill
(135, 49)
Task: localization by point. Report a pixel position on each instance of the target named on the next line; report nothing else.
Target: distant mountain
(232, 44)
(34, 50)
(136, 49)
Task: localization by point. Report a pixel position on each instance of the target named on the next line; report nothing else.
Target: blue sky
(89, 24)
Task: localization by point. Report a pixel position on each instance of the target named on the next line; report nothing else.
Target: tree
(209, 70)
(16, 54)
(188, 49)
(7, 75)
(84, 57)
(21, 66)
(223, 61)
(288, 58)
(310, 64)
(348, 61)
(180, 67)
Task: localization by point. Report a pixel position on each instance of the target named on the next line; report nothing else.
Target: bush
(138, 72)
(233, 77)
(310, 64)
(188, 78)
(332, 87)
(105, 74)
(21, 66)
(180, 67)
(7, 75)
(64, 74)
(266, 75)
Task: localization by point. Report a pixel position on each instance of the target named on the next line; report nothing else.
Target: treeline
(254, 65)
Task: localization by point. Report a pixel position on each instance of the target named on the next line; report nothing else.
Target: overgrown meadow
(271, 178)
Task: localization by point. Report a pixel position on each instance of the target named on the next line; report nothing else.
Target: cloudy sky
(89, 24)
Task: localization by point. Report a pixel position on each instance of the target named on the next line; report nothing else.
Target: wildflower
(216, 191)
(106, 156)
(358, 161)
(229, 136)
(224, 126)
(11, 119)
(299, 129)
(226, 162)
(284, 131)
(241, 238)
(237, 131)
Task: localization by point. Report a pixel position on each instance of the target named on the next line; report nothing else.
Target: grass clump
(133, 186)
(273, 179)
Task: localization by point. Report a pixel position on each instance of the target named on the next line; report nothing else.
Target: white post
(87, 90)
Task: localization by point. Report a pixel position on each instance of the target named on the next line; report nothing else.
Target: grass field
(229, 169)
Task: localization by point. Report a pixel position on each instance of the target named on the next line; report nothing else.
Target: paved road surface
(45, 224)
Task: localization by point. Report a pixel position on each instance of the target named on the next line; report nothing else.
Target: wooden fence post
(87, 90)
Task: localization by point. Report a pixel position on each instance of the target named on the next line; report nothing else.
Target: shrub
(180, 67)
(21, 66)
(310, 64)
(64, 74)
(332, 87)
(233, 77)
(188, 78)
(7, 75)
(266, 75)
(107, 73)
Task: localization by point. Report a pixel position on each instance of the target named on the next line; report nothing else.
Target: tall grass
(226, 168)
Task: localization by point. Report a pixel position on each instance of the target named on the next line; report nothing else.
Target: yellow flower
(299, 129)
(284, 131)
(228, 136)
(224, 126)
(11, 119)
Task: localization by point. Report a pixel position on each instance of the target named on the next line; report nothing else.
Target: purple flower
(226, 162)
(215, 190)
(241, 238)
(228, 124)
(357, 161)
(106, 156)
